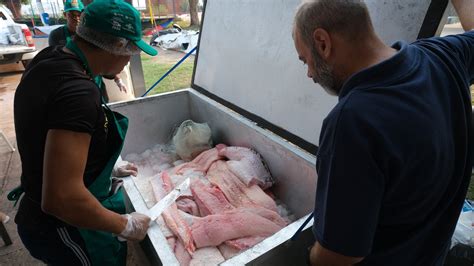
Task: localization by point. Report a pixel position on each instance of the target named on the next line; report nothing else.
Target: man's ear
(322, 42)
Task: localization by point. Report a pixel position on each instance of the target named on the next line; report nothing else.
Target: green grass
(178, 79)
(472, 95)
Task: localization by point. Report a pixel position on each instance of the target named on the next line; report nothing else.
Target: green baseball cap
(117, 18)
(73, 5)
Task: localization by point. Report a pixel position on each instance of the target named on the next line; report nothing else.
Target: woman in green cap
(72, 211)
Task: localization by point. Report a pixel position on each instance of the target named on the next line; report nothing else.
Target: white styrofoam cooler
(247, 61)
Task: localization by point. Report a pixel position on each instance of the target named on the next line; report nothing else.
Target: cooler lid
(246, 60)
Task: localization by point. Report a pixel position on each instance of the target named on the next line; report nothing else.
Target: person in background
(73, 211)
(394, 156)
(60, 36)
(72, 12)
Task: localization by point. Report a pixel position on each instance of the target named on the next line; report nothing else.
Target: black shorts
(56, 246)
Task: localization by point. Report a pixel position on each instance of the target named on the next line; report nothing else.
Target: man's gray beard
(324, 75)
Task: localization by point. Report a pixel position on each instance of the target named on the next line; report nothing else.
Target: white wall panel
(247, 57)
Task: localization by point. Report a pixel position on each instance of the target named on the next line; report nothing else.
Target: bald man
(394, 158)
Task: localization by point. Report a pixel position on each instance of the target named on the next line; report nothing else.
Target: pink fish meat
(181, 253)
(214, 229)
(188, 205)
(172, 217)
(236, 192)
(245, 242)
(209, 199)
(201, 163)
(248, 165)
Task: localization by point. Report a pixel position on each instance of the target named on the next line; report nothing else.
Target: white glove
(137, 226)
(125, 170)
(120, 84)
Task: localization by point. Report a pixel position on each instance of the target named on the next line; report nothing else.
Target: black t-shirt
(58, 37)
(394, 158)
(54, 93)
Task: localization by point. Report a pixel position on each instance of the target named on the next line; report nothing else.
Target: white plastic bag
(191, 139)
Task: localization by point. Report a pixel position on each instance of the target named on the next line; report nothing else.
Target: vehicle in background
(174, 29)
(176, 39)
(16, 40)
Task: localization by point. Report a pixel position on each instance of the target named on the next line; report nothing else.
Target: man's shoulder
(446, 43)
(358, 110)
(53, 59)
(54, 67)
(356, 103)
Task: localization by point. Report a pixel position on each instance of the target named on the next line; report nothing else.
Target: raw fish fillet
(236, 192)
(181, 253)
(164, 228)
(266, 213)
(177, 179)
(245, 242)
(248, 165)
(218, 224)
(201, 163)
(214, 229)
(161, 187)
(188, 205)
(209, 199)
(212, 201)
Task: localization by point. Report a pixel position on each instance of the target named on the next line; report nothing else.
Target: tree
(14, 6)
(193, 12)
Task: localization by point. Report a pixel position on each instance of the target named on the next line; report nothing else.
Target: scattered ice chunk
(178, 162)
(132, 157)
(146, 153)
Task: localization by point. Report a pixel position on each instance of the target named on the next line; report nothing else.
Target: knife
(155, 211)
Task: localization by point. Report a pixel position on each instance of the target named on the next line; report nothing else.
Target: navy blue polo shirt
(394, 157)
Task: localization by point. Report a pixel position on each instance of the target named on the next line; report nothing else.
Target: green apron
(103, 248)
(66, 33)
